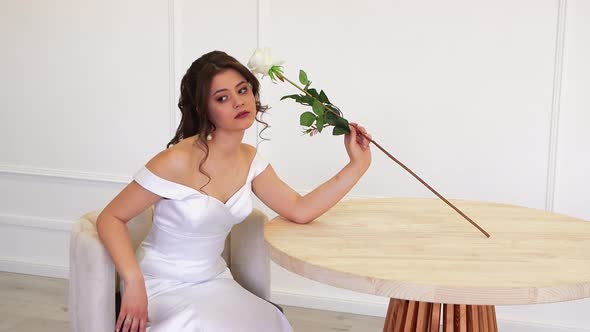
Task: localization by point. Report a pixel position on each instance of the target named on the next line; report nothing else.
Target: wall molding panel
(36, 223)
(556, 105)
(64, 174)
(172, 64)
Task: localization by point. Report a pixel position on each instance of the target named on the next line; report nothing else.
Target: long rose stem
(400, 163)
(427, 185)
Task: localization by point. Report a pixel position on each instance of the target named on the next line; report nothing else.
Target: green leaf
(320, 123)
(334, 109)
(339, 131)
(306, 100)
(307, 119)
(331, 118)
(303, 77)
(341, 127)
(290, 96)
(323, 98)
(301, 99)
(318, 108)
(314, 93)
(343, 123)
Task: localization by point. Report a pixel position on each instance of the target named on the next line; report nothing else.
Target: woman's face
(230, 96)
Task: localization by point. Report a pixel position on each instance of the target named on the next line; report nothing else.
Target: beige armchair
(94, 281)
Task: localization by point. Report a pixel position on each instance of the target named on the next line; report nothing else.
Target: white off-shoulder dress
(188, 283)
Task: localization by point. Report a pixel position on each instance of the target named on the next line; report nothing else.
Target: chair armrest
(91, 296)
(249, 258)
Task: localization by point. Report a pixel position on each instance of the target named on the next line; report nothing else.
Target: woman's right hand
(133, 316)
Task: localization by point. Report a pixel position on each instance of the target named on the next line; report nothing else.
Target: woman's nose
(239, 101)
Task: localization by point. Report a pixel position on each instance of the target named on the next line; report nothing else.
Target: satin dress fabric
(189, 286)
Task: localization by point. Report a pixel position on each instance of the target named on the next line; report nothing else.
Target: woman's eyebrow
(226, 89)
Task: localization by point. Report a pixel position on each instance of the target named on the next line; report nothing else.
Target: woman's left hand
(357, 146)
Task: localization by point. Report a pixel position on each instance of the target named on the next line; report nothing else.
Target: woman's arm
(112, 229)
(285, 201)
(113, 233)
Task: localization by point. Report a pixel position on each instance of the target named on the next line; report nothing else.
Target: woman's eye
(221, 100)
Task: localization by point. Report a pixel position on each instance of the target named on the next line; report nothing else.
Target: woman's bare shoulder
(175, 162)
(249, 150)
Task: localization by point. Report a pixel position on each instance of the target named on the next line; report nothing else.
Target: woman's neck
(226, 145)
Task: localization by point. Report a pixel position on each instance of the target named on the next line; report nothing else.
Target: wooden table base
(413, 316)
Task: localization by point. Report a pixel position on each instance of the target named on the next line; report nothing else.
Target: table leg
(413, 316)
(389, 318)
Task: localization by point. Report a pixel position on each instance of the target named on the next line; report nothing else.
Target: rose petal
(261, 61)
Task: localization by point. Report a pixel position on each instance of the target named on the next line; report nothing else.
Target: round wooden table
(425, 257)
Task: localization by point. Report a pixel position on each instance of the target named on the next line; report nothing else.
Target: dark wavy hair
(194, 102)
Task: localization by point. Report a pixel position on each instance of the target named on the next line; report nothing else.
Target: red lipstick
(242, 115)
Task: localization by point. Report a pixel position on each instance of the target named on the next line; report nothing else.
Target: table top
(420, 249)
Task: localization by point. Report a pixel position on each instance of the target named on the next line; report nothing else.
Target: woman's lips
(241, 115)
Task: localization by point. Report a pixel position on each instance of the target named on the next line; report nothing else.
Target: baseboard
(329, 303)
(379, 310)
(515, 326)
(46, 270)
(291, 298)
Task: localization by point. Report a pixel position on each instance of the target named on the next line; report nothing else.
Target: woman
(201, 186)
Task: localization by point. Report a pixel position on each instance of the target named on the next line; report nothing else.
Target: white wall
(484, 100)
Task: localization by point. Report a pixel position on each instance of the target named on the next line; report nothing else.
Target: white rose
(261, 61)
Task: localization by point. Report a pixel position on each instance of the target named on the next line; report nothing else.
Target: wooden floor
(32, 303)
